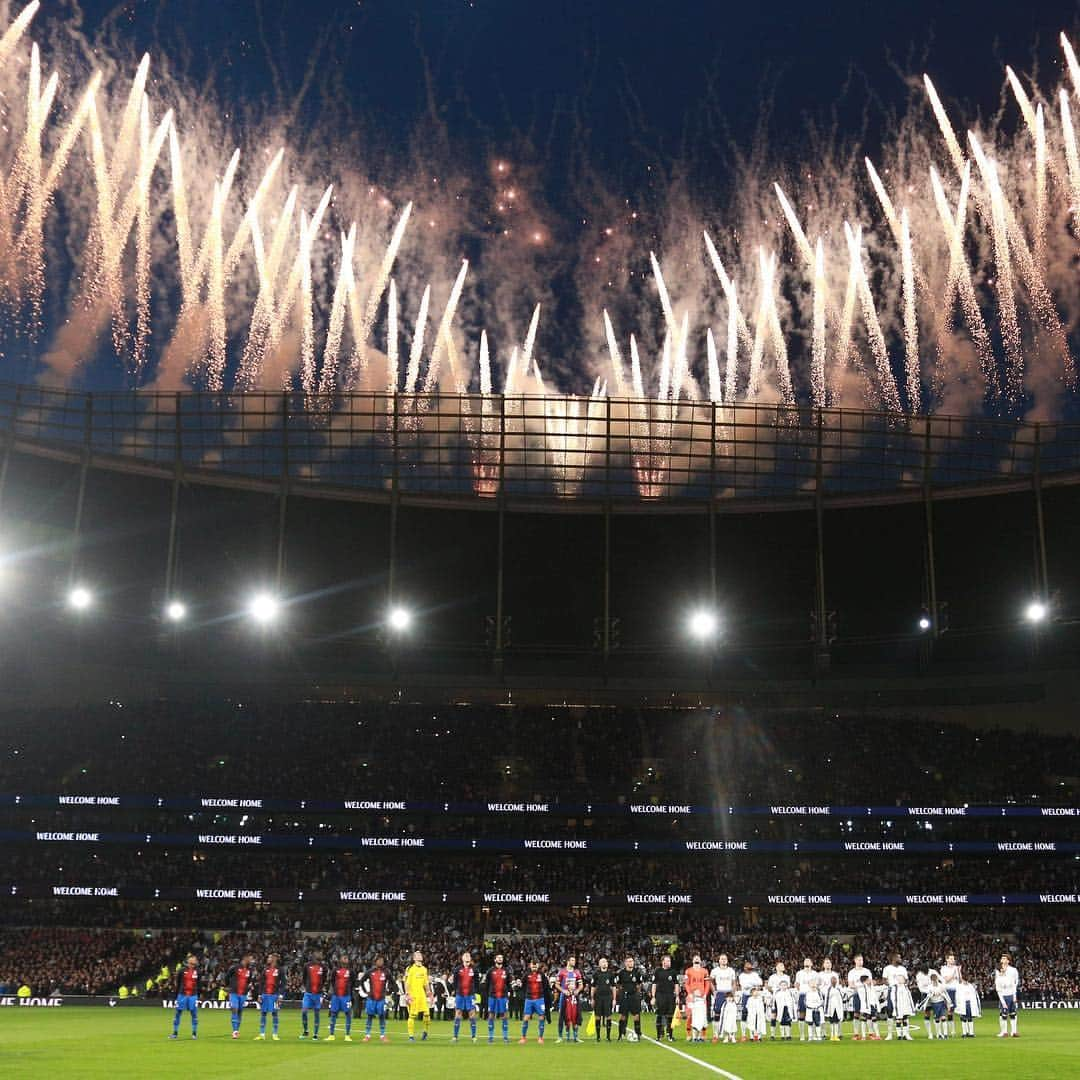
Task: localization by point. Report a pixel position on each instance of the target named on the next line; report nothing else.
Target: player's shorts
(784, 1017)
(802, 1004)
(939, 1009)
(311, 1001)
(602, 1006)
(629, 1004)
(952, 998)
(268, 1002)
(340, 1003)
(465, 1003)
(187, 1002)
(718, 1003)
(498, 1006)
(419, 1008)
(236, 1001)
(744, 1000)
(969, 1012)
(375, 1008)
(665, 1006)
(1008, 1006)
(535, 1007)
(814, 1016)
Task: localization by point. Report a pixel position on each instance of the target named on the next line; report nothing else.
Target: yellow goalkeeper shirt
(416, 984)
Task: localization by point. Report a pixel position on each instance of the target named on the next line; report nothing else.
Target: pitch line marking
(690, 1057)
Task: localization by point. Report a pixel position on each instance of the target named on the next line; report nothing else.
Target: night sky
(636, 71)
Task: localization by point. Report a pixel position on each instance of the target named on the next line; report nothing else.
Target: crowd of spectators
(482, 753)
(74, 961)
(599, 876)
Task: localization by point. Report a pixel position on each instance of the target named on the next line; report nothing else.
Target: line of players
(731, 1001)
(814, 999)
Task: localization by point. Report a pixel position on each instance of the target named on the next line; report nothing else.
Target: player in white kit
(723, 979)
(748, 979)
(950, 979)
(891, 973)
(1007, 985)
(854, 980)
(805, 977)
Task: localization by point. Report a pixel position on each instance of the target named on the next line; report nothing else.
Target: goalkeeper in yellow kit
(418, 995)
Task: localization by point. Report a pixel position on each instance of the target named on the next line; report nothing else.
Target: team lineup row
(737, 1005)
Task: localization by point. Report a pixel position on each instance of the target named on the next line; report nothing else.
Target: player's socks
(472, 1026)
(637, 1028)
(524, 1029)
(802, 1031)
(622, 1028)
(303, 1021)
(411, 1027)
(541, 1024)
(1013, 1021)
(457, 1026)
(176, 1022)
(194, 1025)
(506, 1029)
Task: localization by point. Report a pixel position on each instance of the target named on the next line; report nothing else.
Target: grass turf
(123, 1042)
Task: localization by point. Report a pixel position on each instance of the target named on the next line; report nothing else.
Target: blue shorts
(311, 1001)
(814, 1016)
(743, 999)
(236, 1001)
(498, 1006)
(375, 1008)
(535, 1007)
(952, 997)
(939, 1009)
(784, 1017)
(268, 1002)
(340, 1003)
(1008, 1006)
(465, 1003)
(802, 1004)
(187, 1002)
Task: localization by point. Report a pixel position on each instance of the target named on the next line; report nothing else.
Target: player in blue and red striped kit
(497, 992)
(342, 982)
(241, 978)
(315, 978)
(374, 985)
(464, 984)
(271, 991)
(187, 997)
(537, 1000)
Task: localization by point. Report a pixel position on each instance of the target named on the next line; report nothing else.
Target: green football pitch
(122, 1042)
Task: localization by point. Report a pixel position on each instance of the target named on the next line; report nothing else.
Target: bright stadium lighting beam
(79, 598)
(399, 619)
(176, 611)
(263, 608)
(924, 622)
(703, 624)
(1036, 611)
